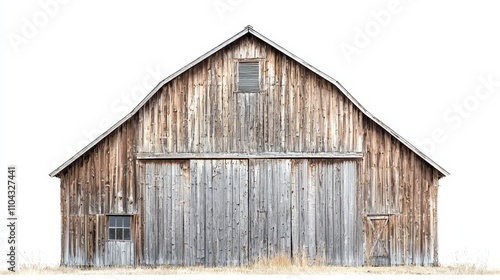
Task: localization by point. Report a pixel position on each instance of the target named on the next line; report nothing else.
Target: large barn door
(219, 212)
(326, 219)
(270, 208)
(377, 238)
(305, 208)
(166, 188)
(229, 211)
(196, 212)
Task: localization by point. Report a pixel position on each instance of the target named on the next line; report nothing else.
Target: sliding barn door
(305, 207)
(196, 212)
(219, 203)
(231, 211)
(166, 206)
(270, 208)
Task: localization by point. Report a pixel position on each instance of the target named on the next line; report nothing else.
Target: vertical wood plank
(330, 218)
(320, 230)
(209, 213)
(255, 239)
(295, 209)
(243, 212)
(311, 211)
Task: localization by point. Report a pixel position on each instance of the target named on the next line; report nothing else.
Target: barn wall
(101, 182)
(296, 110)
(402, 186)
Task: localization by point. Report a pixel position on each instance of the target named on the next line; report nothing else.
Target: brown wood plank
(417, 195)
(162, 120)
(122, 170)
(434, 217)
(425, 216)
(147, 127)
(94, 184)
(190, 109)
(411, 208)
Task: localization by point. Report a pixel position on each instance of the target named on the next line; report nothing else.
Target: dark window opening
(119, 227)
(248, 77)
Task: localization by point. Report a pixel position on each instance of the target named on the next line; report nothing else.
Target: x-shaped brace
(378, 234)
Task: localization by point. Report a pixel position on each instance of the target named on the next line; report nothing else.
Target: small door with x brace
(377, 240)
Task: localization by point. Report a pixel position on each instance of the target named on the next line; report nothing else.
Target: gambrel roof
(245, 31)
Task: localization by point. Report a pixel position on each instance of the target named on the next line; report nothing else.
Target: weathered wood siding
(196, 212)
(99, 183)
(304, 207)
(295, 111)
(404, 187)
(235, 212)
(380, 210)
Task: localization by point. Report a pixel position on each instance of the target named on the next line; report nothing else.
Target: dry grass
(278, 265)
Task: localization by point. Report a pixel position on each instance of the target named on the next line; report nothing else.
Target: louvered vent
(248, 80)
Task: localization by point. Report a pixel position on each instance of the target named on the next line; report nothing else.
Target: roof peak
(246, 30)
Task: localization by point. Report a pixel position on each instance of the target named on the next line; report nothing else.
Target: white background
(71, 69)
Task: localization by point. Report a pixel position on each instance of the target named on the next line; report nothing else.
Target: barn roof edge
(249, 30)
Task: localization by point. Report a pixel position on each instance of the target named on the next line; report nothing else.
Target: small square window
(119, 228)
(248, 77)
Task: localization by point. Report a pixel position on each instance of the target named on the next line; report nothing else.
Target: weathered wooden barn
(246, 153)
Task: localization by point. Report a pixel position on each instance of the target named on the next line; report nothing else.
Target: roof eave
(150, 94)
(442, 171)
(246, 30)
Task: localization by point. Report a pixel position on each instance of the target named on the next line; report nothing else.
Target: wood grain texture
(100, 183)
(213, 177)
(409, 194)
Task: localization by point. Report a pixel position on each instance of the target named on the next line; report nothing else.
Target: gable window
(119, 228)
(248, 76)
